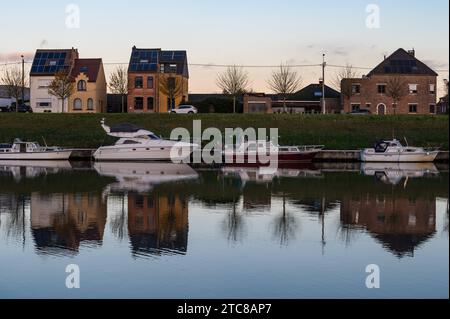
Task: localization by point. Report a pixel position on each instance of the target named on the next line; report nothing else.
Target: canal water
(171, 231)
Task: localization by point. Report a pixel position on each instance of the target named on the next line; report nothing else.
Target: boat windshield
(153, 137)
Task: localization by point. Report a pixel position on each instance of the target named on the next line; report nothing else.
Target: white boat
(20, 150)
(138, 144)
(393, 151)
(141, 177)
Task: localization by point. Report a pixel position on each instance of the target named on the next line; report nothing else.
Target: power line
(213, 65)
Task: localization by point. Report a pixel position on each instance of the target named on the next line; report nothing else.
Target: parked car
(23, 108)
(360, 112)
(185, 109)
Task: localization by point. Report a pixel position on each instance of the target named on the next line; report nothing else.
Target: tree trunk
(123, 105)
(284, 105)
(62, 107)
(234, 104)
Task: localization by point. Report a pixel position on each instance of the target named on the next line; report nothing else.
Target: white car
(185, 109)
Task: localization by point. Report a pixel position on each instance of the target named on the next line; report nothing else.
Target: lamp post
(23, 81)
(324, 111)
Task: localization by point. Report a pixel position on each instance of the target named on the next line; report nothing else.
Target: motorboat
(394, 151)
(394, 173)
(261, 152)
(138, 144)
(20, 169)
(141, 176)
(20, 150)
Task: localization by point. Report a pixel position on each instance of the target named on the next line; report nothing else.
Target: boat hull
(34, 156)
(147, 154)
(282, 158)
(422, 157)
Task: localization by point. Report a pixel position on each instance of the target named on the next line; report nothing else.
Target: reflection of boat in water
(394, 173)
(20, 150)
(137, 144)
(394, 151)
(29, 169)
(141, 177)
(261, 174)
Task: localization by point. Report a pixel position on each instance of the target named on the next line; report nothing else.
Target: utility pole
(23, 81)
(324, 110)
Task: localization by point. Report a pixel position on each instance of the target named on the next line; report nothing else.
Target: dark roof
(125, 128)
(200, 97)
(402, 62)
(148, 60)
(90, 67)
(49, 62)
(313, 92)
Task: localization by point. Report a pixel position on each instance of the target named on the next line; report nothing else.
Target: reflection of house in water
(64, 221)
(401, 224)
(158, 223)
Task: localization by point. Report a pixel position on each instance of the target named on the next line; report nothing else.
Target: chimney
(412, 52)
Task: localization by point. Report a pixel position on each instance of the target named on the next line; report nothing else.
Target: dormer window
(84, 69)
(172, 68)
(81, 85)
(52, 63)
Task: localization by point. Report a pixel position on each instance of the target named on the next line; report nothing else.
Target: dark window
(172, 68)
(381, 88)
(150, 103)
(432, 108)
(150, 82)
(138, 82)
(81, 86)
(356, 107)
(138, 103)
(356, 89)
(413, 108)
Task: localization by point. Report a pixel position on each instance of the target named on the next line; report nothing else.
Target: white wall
(39, 94)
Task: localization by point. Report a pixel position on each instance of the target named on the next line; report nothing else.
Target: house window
(413, 89)
(356, 88)
(381, 88)
(368, 105)
(150, 82)
(90, 104)
(44, 104)
(172, 68)
(77, 105)
(138, 82)
(81, 86)
(432, 89)
(413, 108)
(138, 103)
(356, 107)
(432, 108)
(52, 63)
(150, 103)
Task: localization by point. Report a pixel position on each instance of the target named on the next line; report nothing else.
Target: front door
(381, 109)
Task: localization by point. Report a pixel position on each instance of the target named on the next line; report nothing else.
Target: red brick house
(401, 84)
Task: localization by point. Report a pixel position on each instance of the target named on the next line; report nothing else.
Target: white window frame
(413, 87)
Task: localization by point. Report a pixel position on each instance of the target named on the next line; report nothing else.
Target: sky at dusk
(241, 32)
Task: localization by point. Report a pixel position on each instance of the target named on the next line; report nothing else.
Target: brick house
(402, 72)
(149, 71)
(257, 103)
(89, 80)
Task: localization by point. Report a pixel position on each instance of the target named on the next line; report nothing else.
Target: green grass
(334, 131)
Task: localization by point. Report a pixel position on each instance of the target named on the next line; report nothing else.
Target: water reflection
(67, 207)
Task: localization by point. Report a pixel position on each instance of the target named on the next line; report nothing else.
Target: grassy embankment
(334, 131)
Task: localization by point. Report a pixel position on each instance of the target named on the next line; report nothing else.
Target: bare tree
(396, 89)
(284, 81)
(12, 79)
(172, 87)
(233, 81)
(118, 83)
(345, 87)
(62, 86)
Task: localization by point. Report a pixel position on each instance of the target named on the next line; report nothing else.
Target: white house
(46, 64)
(6, 101)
